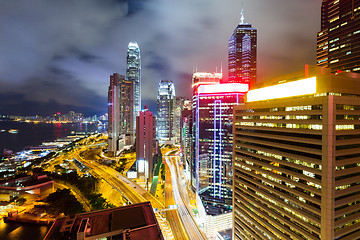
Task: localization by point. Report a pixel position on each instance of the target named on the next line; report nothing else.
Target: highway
(176, 182)
(135, 194)
(178, 223)
(173, 216)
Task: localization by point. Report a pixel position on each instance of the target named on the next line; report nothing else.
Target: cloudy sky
(57, 56)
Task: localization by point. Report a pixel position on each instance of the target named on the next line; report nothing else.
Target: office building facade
(133, 74)
(296, 159)
(186, 137)
(242, 54)
(212, 138)
(126, 110)
(145, 143)
(114, 113)
(338, 42)
(165, 111)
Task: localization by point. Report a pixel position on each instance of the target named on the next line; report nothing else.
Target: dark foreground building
(136, 221)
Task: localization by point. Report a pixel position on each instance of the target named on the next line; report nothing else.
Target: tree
(63, 201)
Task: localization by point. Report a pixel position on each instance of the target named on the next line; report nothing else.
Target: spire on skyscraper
(242, 16)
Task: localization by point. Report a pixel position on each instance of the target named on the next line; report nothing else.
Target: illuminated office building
(179, 105)
(296, 159)
(126, 110)
(242, 54)
(186, 136)
(199, 78)
(133, 74)
(338, 42)
(114, 113)
(145, 143)
(212, 118)
(205, 78)
(165, 111)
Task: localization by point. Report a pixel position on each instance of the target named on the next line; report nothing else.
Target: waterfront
(33, 134)
(16, 231)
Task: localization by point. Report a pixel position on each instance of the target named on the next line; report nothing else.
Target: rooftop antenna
(242, 14)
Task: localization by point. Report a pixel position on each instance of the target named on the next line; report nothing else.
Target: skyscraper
(133, 74)
(114, 113)
(212, 111)
(242, 53)
(186, 136)
(212, 145)
(145, 143)
(165, 111)
(296, 159)
(338, 42)
(126, 110)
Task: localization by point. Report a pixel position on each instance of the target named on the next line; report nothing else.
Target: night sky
(56, 56)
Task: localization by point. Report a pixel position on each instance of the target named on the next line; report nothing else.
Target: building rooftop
(130, 222)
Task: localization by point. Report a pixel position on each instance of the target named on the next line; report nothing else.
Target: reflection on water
(34, 134)
(16, 231)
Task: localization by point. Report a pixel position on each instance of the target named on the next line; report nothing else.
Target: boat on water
(13, 131)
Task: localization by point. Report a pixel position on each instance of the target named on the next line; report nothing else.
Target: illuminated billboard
(223, 88)
(289, 89)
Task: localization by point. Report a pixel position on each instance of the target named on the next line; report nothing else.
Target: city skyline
(63, 63)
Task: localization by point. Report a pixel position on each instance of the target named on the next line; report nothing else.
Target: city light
(223, 88)
(290, 89)
(141, 166)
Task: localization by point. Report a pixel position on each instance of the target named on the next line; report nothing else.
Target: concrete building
(132, 222)
(296, 158)
(145, 144)
(114, 113)
(338, 42)
(165, 112)
(242, 53)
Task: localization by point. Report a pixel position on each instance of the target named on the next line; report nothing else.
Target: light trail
(188, 221)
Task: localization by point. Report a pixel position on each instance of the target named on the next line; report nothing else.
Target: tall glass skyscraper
(213, 115)
(338, 42)
(165, 111)
(133, 74)
(114, 113)
(242, 54)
